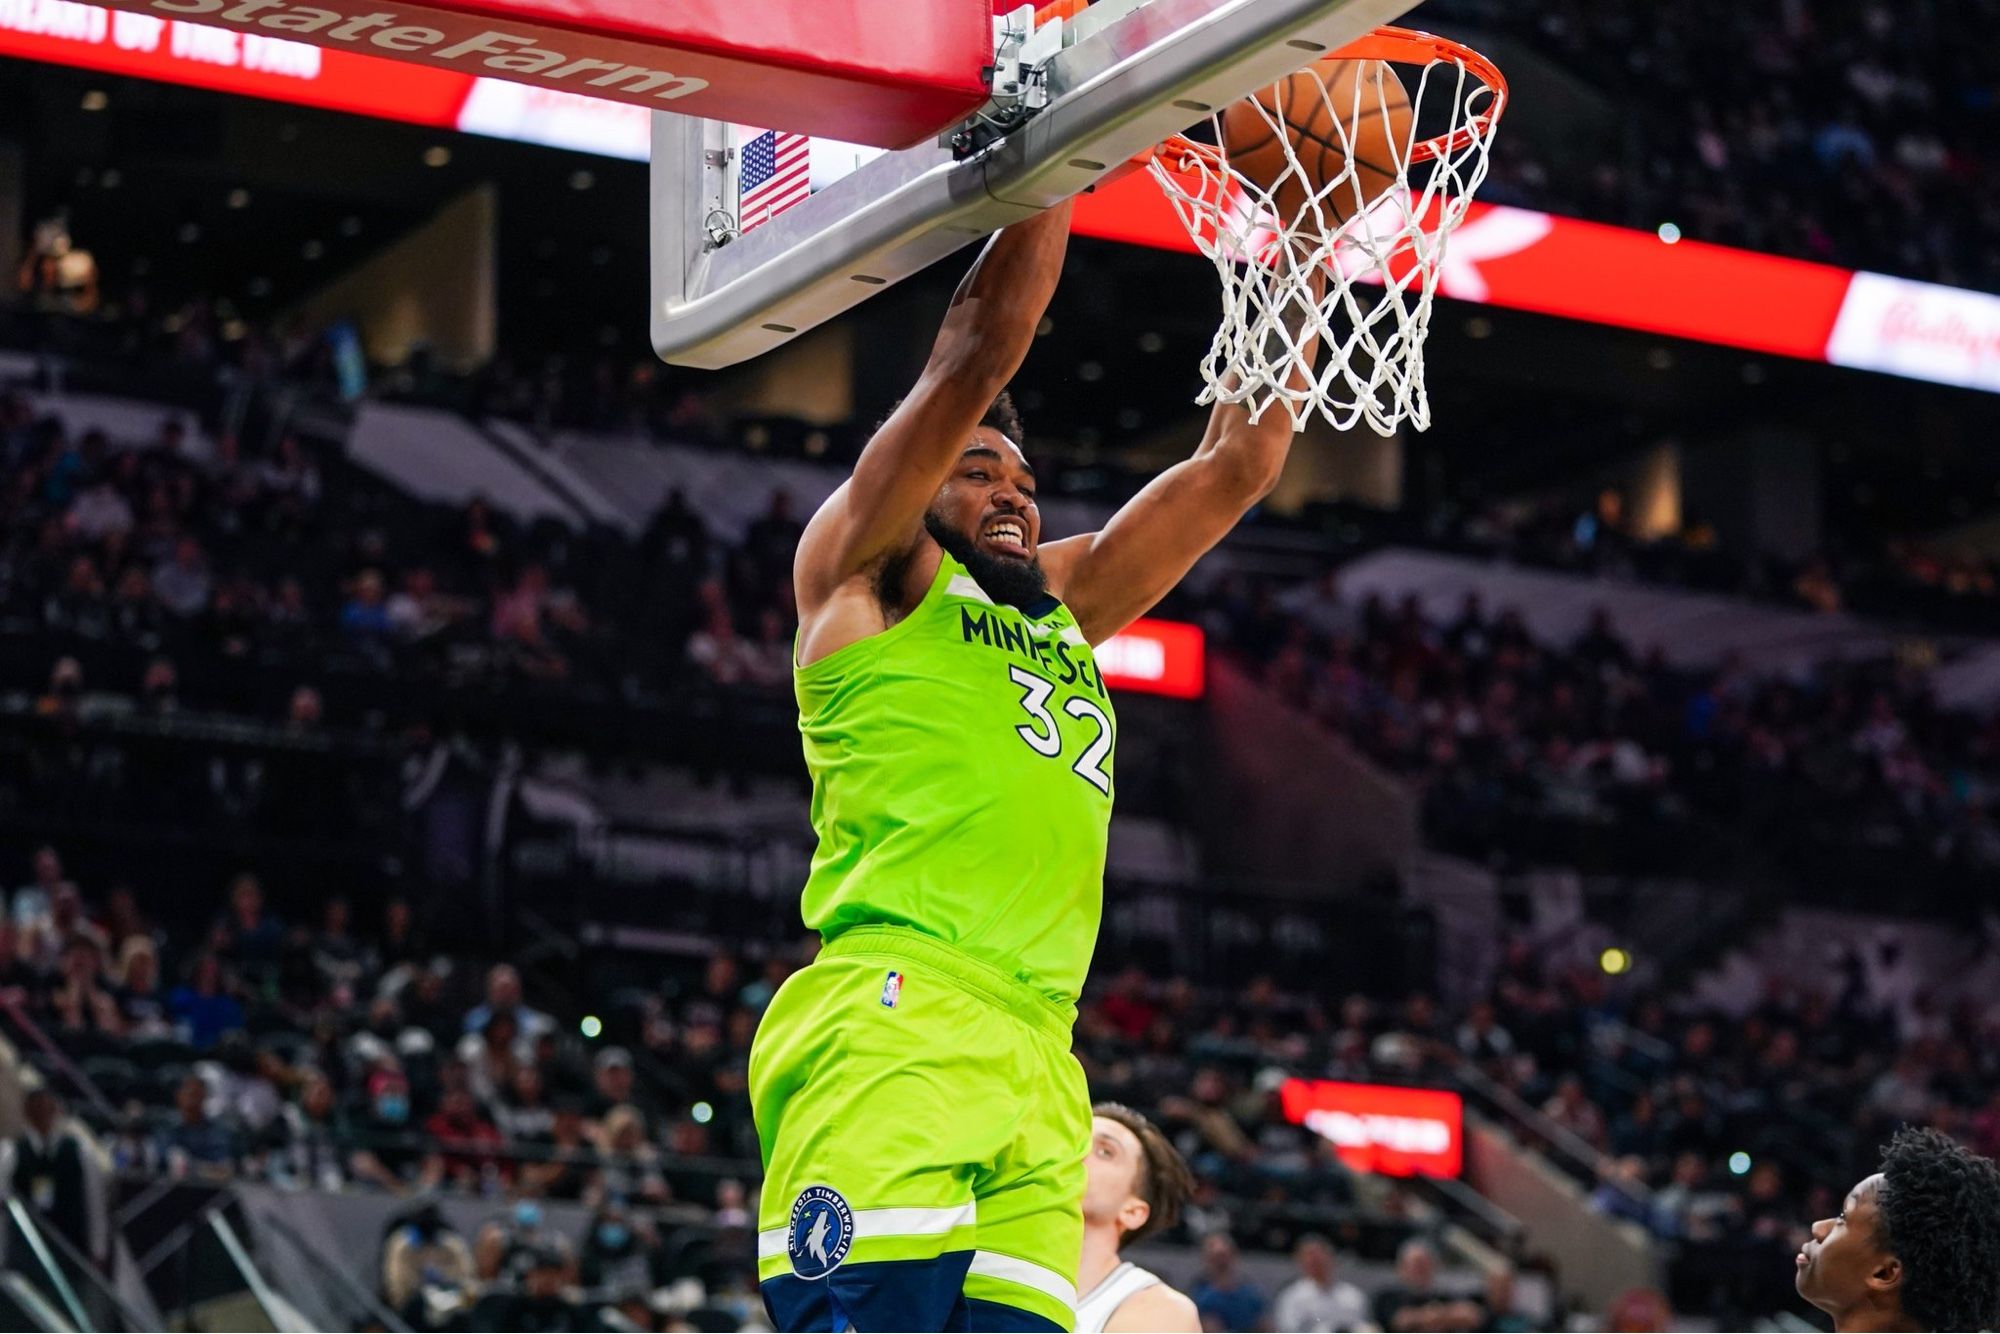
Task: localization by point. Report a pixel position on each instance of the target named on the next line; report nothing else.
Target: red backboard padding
(885, 72)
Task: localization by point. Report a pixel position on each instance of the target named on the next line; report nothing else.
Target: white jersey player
(1135, 1186)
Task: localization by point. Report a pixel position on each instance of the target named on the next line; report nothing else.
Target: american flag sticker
(776, 174)
(892, 989)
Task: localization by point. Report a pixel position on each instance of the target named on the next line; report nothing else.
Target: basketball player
(1916, 1246)
(922, 1120)
(1134, 1186)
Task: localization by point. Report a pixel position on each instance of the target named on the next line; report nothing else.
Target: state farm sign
(782, 64)
(1398, 1132)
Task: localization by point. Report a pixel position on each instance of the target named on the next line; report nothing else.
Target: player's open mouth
(1008, 537)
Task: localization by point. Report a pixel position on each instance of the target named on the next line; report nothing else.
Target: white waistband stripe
(883, 1223)
(1026, 1273)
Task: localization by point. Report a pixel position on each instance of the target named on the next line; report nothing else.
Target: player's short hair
(1939, 1205)
(1005, 418)
(1165, 1183)
(1001, 416)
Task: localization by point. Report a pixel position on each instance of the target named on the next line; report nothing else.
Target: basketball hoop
(1360, 235)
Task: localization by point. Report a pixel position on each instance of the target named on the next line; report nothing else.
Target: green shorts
(923, 1127)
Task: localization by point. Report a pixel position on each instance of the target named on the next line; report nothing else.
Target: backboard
(1074, 99)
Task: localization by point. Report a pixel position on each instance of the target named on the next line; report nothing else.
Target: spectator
(1224, 1297)
(338, 958)
(249, 936)
(55, 274)
(538, 1303)
(34, 902)
(566, 1168)
(466, 1140)
(159, 689)
(631, 1162)
(366, 616)
(306, 711)
(522, 1112)
(80, 1002)
(503, 996)
(140, 1004)
(100, 511)
(314, 1153)
(1571, 1108)
(51, 1167)
(198, 1144)
(388, 1155)
(1317, 1299)
(289, 478)
(425, 1254)
(767, 662)
(1501, 1312)
(612, 1084)
(616, 1255)
(17, 974)
(417, 610)
(773, 540)
(1413, 1303)
(720, 652)
(202, 1008)
(183, 584)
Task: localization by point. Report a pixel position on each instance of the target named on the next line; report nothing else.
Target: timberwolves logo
(822, 1230)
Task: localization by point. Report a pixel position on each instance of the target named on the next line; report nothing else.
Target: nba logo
(892, 990)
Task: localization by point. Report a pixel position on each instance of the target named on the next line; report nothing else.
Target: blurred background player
(1916, 1246)
(1135, 1186)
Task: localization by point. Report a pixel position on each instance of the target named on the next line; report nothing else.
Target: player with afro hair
(1916, 1246)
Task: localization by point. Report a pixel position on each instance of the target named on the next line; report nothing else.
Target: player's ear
(1134, 1214)
(1887, 1275)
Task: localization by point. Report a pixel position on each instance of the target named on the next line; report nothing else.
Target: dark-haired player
(922, 1120)
(1916, 1246)
(1135, 1186)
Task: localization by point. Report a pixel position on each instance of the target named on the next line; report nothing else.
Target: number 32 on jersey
(1044, 734)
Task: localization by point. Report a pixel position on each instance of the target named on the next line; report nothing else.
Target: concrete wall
(435, 287)
(1596, 1257)
(1303, 806)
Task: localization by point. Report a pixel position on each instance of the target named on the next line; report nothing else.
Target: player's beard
(1016, 583)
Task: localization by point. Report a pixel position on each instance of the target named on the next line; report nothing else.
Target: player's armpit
(1109, 579)
(986, 334)
(1157, 1308)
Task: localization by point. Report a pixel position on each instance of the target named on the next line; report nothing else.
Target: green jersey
(961, 766)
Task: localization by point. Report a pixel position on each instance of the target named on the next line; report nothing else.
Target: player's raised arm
(986, 334)
(1111, 578)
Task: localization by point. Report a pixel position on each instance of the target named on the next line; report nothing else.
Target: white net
(1347, 251)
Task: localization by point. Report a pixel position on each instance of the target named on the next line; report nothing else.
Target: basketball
(1324, 112)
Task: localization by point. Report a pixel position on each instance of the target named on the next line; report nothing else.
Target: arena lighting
(1157, 658)
(1380, 1128)
(591, 1026)
(1615, 961)
(702, 1113)
(1739, 1163)
(1514, 258)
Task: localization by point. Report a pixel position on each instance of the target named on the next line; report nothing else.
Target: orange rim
(1403, 46)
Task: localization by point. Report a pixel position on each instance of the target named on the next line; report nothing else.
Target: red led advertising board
(1156, 658)
(1397, 1132)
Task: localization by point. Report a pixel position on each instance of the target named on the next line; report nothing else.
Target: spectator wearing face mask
(389, 1155)
(616, 1258)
